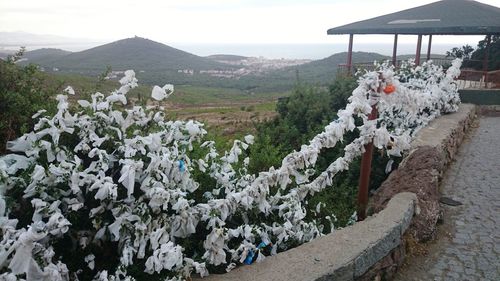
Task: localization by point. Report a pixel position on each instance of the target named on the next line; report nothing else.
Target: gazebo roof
(447, 17)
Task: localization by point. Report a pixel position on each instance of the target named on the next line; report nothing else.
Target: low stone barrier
(421, 170)
(374, 248)
(345, 254)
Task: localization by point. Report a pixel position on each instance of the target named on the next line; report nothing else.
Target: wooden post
(395, 50)
(366, 163)
(419, 49)
(429, 47)
(485, 60)
(349, 54)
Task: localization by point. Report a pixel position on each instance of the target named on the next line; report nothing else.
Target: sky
(206, 21)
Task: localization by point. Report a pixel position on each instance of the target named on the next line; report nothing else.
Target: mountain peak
(137, 41)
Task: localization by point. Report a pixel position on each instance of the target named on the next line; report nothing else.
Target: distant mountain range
(157, 63)
(16, 39)
(45, 56)
(132, 53)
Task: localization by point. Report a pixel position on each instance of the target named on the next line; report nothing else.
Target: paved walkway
(469, 243)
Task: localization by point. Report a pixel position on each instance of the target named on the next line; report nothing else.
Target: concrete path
(468, 247)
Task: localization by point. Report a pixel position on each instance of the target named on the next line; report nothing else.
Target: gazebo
(447, 17)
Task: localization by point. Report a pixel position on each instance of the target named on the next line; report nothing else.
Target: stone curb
(447, 132)
(345, 254)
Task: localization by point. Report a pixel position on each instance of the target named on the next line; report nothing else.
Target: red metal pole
(364, 175)
(349, 54)
(429, 47)
(419, 48)
(395, 50)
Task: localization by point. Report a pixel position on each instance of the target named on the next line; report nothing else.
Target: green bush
(23, 92)
(303, 115)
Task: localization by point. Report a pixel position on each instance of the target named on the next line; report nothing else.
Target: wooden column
(349, 54)
(366, 164)
(485, 60)
(419, 49)
(395, 50)
(429, 47)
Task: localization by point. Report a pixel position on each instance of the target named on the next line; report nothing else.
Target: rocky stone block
(421, 170)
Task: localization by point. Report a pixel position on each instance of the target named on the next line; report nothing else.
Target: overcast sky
(204, 21)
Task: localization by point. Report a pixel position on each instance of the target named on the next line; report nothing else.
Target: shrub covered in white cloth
(106, 191)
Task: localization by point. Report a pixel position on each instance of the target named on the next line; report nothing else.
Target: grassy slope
(195, 95)
(184, 96)
(228, 112)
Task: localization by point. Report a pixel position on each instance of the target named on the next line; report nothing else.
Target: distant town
(247, 66)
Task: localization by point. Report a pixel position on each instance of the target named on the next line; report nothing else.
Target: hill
(325, 70)
(318, 72)
(45, 56)
(132, 53)
(4, 54)
(156, 63)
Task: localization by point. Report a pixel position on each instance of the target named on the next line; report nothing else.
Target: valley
(157, 63)
(230, 93)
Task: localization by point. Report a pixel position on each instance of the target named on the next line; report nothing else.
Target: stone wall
(345, 254)
(421, 170)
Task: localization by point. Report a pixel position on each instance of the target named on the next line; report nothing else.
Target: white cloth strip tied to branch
(360, 103)
(133, 167)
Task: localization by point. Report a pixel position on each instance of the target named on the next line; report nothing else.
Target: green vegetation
(83, 85)
(197, 95)
(324, 71)
(23, 92)
(280, 127)
(320, 73)
(302, 115)
(477, 55)
(186, 96)
(159, 64)
(462, 52)
(230, 113)
(494, 53)
(219, 108)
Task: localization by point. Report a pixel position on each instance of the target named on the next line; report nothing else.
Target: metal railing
(470, 77)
